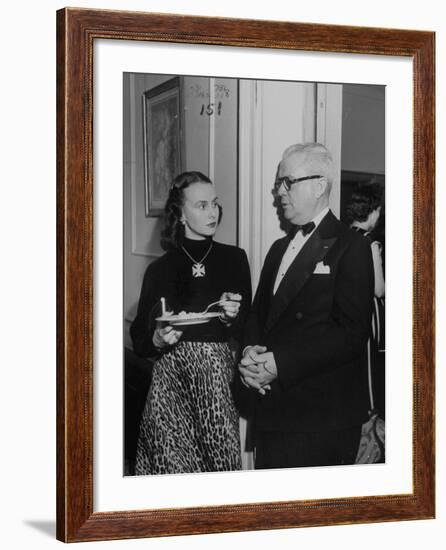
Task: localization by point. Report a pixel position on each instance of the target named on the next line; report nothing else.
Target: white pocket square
(321, 269)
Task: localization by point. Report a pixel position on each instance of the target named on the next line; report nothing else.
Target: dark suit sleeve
(342, 337)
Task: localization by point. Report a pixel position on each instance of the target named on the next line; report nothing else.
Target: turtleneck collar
(197, 245)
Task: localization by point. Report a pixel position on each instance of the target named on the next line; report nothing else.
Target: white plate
(179, 320)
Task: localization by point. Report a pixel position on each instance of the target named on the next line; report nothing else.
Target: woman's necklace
(198, 269)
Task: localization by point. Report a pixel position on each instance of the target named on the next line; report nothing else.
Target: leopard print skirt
(190, 423)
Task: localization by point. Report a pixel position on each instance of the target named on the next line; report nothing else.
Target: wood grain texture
(76, 31)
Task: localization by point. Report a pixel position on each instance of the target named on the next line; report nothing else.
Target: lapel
(301, 269)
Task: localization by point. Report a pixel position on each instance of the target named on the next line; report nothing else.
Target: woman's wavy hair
(363, 202)
(173, 233)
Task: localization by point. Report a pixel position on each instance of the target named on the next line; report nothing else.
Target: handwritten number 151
(210, 109)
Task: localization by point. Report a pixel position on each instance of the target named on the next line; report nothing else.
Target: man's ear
(321, 187)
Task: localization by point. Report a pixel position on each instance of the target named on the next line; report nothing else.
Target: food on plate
(191, 315)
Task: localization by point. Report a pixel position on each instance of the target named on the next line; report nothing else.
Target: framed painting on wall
(162, 112)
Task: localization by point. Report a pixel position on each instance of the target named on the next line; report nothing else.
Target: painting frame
(160, 167)
(77, 29)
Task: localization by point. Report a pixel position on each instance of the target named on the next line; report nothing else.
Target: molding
(133, 158)
(251, 174)
(329, 133)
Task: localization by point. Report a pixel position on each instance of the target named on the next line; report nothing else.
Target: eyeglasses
(287, 182)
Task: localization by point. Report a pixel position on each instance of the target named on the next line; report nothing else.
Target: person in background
(363, 212)
(190, 423)
(303, 374)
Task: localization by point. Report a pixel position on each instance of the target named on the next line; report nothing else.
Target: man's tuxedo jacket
(317, 326)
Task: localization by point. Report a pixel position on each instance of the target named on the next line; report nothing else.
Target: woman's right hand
(165, 335)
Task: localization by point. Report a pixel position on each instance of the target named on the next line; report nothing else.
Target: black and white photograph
(254, 274)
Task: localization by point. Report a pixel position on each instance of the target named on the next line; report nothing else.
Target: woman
(190, 423)
(363, 212)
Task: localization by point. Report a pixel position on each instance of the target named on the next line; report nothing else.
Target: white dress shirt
(295, 247)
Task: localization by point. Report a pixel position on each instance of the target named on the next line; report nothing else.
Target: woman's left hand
(230, 306)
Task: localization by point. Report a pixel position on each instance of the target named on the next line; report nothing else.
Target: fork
(211, 305)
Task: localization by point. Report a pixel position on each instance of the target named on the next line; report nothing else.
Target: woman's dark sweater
(170, 276)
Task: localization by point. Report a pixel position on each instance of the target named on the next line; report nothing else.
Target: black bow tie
(305, 228)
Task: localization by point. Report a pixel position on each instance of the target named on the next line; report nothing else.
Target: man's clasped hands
(258, 368)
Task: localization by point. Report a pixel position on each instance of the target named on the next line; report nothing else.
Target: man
(303, 371)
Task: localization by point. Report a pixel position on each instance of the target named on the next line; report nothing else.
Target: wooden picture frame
(162, 113)
(77, 29)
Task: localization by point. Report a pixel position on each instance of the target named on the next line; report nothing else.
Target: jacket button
(299, 315)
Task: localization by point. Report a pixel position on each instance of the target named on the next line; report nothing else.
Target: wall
(223, 165)
(27, 220)
(363, 120)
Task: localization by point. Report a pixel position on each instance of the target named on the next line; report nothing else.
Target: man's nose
(281, 190)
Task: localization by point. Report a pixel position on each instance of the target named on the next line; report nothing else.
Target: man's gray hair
(315, 156)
